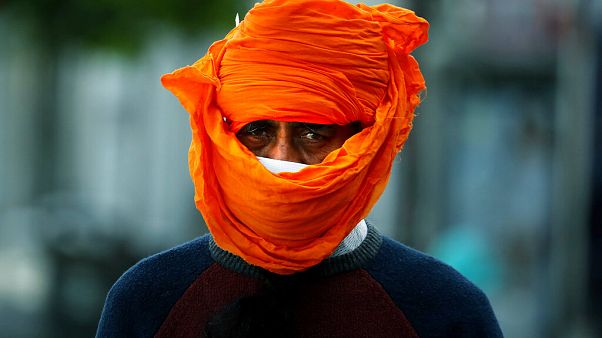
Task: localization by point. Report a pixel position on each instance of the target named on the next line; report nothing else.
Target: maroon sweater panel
(215, 288)
(349, 304)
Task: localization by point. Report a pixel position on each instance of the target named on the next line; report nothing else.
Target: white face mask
(279, 166)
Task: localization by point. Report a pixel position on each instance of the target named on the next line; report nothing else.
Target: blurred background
(501, 177)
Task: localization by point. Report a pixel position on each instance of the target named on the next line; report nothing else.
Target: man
(296, 117)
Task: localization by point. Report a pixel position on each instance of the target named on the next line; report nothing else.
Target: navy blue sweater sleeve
(140, 300)
(436, 299)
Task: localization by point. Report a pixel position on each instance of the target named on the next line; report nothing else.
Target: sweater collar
(352, 260)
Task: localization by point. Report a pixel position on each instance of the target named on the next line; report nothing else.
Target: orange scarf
(315, 61)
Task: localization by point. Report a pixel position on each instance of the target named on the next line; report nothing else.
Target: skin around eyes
(294, 141)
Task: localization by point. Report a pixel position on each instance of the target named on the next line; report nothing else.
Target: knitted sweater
(381, 289)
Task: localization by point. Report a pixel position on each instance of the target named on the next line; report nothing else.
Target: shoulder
(142, 297)
(398, 266)
(436, 298)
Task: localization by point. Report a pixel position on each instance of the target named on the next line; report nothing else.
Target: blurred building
(501, 178)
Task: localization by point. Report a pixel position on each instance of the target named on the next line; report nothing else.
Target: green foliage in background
(119, 24)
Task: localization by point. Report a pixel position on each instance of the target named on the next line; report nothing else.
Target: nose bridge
(283, 147)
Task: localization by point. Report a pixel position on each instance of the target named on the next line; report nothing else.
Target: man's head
(295, 81)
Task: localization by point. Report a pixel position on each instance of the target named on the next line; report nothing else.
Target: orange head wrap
(315, 61)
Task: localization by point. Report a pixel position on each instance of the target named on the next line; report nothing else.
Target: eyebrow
(261, 123)
(316, 126)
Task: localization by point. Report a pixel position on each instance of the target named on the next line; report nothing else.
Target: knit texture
(381, 289)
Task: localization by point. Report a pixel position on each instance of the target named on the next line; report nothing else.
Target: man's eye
(316, 132)
(310, 135)
(255, 134)
(254, 129)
